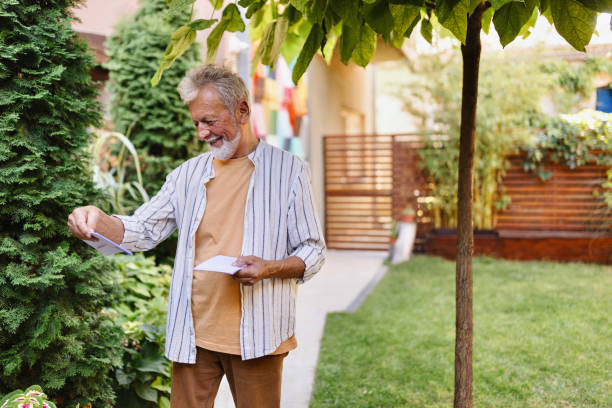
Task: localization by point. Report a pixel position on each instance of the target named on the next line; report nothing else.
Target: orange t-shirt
(215, 297)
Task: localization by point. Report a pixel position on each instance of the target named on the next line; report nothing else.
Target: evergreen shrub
(52, 286)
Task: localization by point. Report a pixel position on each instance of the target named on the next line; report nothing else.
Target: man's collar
(256, 154)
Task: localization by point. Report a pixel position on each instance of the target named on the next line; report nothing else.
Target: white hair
(230, 87)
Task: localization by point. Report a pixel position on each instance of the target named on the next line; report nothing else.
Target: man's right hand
(84, 220)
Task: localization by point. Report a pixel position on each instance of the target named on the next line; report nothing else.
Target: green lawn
(542, 338)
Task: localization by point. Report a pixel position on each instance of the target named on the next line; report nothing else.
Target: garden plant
(510, 119)
(144, 379)
(33, 397)
(53, 288)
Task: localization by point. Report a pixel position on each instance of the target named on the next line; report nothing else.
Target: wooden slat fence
(358, 184)
(564, 205)
(369, 179)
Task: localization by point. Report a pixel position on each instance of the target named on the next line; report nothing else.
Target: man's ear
(243, 112)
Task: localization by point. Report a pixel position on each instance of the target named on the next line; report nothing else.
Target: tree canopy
(301, 28)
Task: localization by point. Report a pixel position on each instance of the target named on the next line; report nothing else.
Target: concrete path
(341, 280)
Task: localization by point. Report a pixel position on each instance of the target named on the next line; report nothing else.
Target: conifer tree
(53, 287)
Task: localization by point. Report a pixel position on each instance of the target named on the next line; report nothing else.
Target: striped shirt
(280, 220)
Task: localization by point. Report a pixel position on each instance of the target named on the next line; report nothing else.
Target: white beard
(227, 149)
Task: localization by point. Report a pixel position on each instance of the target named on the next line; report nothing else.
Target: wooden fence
(563, 205)
(370, 178)
(358, 186)
(368, 181)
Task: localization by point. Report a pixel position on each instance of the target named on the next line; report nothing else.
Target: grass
(542, 338)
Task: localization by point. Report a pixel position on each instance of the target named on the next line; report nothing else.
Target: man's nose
(203, 130)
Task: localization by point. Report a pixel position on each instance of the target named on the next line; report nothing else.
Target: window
(604, 100)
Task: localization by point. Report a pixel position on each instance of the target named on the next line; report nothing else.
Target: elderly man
(244, 198)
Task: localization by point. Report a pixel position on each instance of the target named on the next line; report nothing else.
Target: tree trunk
(464, 323)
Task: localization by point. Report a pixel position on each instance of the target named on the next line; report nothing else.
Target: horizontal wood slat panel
(363, 190)
(370, 179)
(565, 202)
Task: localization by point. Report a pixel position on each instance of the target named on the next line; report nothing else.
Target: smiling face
(216, 124)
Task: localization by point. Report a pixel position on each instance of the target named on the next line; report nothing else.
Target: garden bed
(564, 246)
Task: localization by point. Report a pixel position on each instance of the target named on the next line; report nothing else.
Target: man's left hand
(255, 269)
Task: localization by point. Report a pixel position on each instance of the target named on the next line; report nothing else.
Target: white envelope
(105, 246)
(219, 263)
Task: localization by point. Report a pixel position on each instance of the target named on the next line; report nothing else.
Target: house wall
(100, 17)
(336, 94)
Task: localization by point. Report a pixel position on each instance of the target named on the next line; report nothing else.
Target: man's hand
(85, 220)
(255, 269)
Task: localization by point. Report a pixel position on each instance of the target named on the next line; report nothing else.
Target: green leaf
(295, 40)
(473, 5)
(379, 17)
(348, 42)
(202, 24)
(545, 10)
(180, 41)
(232, 15)
(301, 5)
(416, 20)
(123, 378)
(452, 15)
(497, 4)
(317, 11)
(427, 30)
(487, 16)
(145, 392)
(152, 365)
(259, 22)
(348, 10)
(217, 4)
(312, 44)
(230, 21)
(245, 3)
(573, 21)
(332, 40)
(418, 3)
(366, 46)
(273, 38)
(530, 24)
(510, 19)
(213, 40)
(293, 15)
(159, 385)
(602, 6)
(164, 402)
(253, 8)
(403, 16)
(265, 46)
